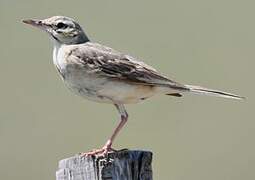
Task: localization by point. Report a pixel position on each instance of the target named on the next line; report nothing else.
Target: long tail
(212, 92)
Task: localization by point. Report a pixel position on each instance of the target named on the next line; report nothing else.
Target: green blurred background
(201, 42)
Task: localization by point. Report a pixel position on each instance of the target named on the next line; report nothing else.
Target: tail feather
(212, 92)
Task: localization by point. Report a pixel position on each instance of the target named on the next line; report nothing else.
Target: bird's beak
(34, 22)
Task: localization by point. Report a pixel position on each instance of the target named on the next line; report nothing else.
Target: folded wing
(106, 62)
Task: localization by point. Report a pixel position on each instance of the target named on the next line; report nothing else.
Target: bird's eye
(61, 25)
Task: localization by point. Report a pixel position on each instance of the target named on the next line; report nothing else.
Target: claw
(101, 152)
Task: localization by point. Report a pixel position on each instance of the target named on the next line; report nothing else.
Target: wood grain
(121, 165)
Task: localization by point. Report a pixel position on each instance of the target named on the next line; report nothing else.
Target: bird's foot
(107, 148)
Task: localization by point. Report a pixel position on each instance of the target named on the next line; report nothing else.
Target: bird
(100, 73)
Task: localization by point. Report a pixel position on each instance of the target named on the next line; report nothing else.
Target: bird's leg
(108, 145)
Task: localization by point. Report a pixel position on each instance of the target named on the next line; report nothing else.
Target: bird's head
(62, 29)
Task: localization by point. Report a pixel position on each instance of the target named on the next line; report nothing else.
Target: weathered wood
(121, 165)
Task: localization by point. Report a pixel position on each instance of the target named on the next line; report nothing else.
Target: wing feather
(106, 62)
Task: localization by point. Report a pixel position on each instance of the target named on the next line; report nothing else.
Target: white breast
(57, 53)
(75, 79)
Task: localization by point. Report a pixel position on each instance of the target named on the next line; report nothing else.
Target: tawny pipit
(102, 74)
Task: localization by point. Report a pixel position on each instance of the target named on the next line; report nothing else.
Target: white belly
(109, 91)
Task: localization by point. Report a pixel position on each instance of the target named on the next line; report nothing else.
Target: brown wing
(106, 62)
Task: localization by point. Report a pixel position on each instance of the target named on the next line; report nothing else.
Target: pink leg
(108, 145)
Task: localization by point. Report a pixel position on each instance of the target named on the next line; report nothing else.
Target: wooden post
(121, 165)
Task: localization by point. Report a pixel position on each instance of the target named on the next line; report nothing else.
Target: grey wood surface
(121, 165)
